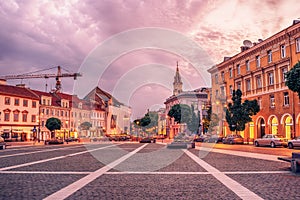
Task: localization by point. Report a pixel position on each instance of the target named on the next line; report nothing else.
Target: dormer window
(80, 105)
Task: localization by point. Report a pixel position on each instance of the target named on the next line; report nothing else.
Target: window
(44, 101)
(17, 102)
(247, 65)
(286, 99)
(248, 85)
(222, 93)
(239, 85)
(272, 101)
(43, 123)
(43, 110)
(271, 78)
(34, 104)
(222, 76)
(16, 115)
(24, 116)
(259, 102)
(282, 50)
(217, 93)
(283, 72)
(238, 69)
(257, 58)
(269, 56)
(230, 90)
(33, 118)
(48, 102)
(25, 103)
(66, 114)
(258, 82)
(6, 115)
(216, 78)
(230, 72)
(61, 113)
(7, 100)
(298, 45)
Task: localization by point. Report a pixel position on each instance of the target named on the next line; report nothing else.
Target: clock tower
(177, 84)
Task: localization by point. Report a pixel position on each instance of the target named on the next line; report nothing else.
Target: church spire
(177, 84)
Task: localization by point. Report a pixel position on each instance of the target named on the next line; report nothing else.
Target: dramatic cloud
(39, 34)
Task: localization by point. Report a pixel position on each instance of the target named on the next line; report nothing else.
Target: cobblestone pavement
(145, 171)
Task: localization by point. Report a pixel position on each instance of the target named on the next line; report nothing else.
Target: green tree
(53, 124)
(182, 113)
(85, 125)
(193, 124)
(293, 78)
(238, 113)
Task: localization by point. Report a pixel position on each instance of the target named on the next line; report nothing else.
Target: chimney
(244, 48)
(2, 82)
(22, 85)
(296, 21)
(226, 58)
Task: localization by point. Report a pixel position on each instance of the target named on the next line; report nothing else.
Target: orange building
(258, 71)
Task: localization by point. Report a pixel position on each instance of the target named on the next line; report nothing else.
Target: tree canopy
(85, 125)
(238, 113)
(53, 124)
(182, 113)
(293, 78)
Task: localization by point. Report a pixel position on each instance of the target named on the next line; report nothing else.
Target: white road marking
(242, 154)
(146, 172)
(70, 189)
(200, 173)
(233, 185)
(50, 159)
(32, 152)
(43, 172)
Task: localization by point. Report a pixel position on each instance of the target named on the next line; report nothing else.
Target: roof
(18, 92)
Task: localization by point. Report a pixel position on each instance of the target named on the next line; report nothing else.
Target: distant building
(259, 72)
(198, 98)
(117, 114)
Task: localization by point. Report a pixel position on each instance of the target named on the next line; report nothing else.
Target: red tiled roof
(18, 92)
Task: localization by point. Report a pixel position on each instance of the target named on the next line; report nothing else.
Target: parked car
(55, 141)
(200, 138)
(271, 140)
(294, 142)
(2, 143)
(233, 139)
(146, 140)
(214, 138)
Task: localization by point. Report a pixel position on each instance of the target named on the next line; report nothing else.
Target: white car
(271, 140)
(2, 143)
(294, 142)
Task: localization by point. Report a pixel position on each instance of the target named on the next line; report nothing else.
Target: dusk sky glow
(39, 34)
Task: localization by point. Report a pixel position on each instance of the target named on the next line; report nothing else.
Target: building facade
(259, 72)
(19, 110)
(198, 98)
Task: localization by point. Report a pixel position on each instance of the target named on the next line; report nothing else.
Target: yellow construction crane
(46, 76)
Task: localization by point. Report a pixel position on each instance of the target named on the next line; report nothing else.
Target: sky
(130, 48)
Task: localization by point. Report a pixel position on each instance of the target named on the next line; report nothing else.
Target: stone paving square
(154, 187)
(32, 186)
(83, 163)
(271, 186)
(225, 162)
